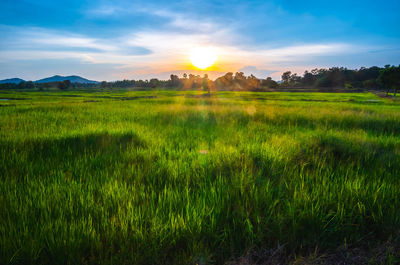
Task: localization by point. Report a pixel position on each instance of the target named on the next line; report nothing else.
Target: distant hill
(72, 78)
(11, 80)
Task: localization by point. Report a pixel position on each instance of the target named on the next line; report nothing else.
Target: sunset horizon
(132, 40)
(260, 132)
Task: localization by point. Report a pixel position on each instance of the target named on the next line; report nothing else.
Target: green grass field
(178, 178)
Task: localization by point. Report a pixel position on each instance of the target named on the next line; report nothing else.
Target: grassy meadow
(167, 177)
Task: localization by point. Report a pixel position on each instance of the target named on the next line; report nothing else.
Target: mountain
(72, 78)
(12, 80)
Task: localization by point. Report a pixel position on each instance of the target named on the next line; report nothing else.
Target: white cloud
(182, 21)
(168, 47)
(260, 73)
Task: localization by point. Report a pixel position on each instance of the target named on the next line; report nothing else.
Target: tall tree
(205, 84)
(389, 77)
(286, 78)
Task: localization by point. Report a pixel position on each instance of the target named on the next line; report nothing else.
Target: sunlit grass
(176, 178)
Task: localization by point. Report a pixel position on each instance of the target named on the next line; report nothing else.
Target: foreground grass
(178, 178)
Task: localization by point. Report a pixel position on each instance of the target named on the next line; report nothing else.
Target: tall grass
(185, 179)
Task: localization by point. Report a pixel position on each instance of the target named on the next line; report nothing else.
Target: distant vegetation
(375, 78)
(57, 81)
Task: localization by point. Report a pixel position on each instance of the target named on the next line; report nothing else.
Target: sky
(120, 39)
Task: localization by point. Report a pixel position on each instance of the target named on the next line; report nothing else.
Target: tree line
(386, 78)
(63, 85)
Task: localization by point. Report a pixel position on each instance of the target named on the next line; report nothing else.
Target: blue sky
(111, 40)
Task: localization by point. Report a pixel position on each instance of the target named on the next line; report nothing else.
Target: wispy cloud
(260, 73)
(145, 51)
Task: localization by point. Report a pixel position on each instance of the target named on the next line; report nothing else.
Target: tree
(252, 83)
(103, 84)
(205, 83)
(47, 85)
(153, 82)
(21, 85)
(63, 84)
(67, 83)
(308, 78)
(224, 82)
(295, 80)
(29, 85)
(389, 77)
(239, 81)
(269, 83)
(174, 81)
(194, 81)
(286, 77)
(370, 84)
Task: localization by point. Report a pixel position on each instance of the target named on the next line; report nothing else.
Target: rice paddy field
(167, 177)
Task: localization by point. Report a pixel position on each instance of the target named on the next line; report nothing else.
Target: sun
(203, 58)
